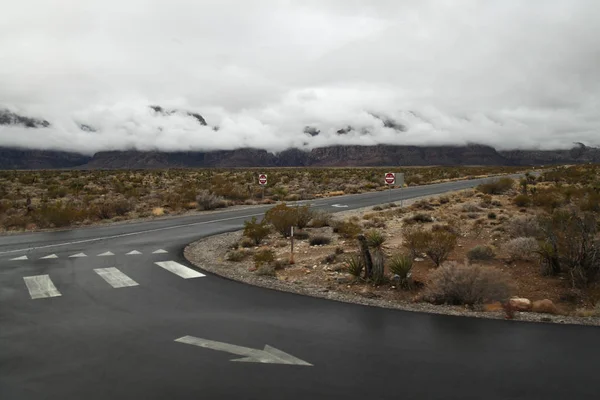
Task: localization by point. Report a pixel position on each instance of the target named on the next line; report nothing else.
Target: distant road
(115, 312)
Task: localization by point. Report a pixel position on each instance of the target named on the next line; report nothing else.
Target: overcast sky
(512, 74)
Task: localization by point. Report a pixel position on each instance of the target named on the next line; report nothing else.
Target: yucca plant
(375, 239)
(354, 265)
(401, 265)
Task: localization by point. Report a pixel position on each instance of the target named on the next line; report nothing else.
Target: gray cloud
(507, 73)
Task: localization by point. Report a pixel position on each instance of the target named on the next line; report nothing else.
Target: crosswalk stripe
(133, 253)
(51, 256)
(108, 253)
(78, 255)
(180, 270)
(40, 286)
(19, 258)
(115, 278)
(160, 251)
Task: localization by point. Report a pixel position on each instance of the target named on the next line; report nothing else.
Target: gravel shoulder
(209, 254)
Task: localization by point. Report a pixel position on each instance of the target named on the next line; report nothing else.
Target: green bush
(440, 245)
(319, 240)
(498, 186)
(401, 266)
(265, 270)
(354, 265)
(209, 201)
(256, 231)
(246, 242)
(303, 216)
(282, 218)
(375, 238)
(347, 229)
(466, 284)
(480, 253)
(320, 219)
(416, 240)
(264, 257)
(419, 218)
(236, 256)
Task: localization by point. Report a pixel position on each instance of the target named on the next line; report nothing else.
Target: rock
(419, 259)
(520, 304)
(544, 306)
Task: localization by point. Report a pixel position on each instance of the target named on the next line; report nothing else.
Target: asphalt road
(103, 325)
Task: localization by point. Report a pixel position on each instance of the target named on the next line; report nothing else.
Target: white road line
(51, 256)
(133, 253)
(41, 286)
(178, 269)
(115, 278)
(160, 251)
(108, 253)
(130, 234)
(78, 255)
(19, 258)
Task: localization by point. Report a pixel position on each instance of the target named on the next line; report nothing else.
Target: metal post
(292, 249)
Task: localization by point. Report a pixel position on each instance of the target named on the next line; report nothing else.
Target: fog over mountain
(305, 74)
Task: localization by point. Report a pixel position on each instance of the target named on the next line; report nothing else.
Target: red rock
(520, 304)
(544, 306)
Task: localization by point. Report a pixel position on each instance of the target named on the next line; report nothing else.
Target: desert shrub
(377, 208)
(470, 207)
(570, 244)
(16, 221)
(498, 186)
(460, 284)
(440, 246)
(401, 265)
(419, 218)
(265, 270)
(262, 257)
(209, 201)
(246, 242)
(522, 200)
(523, 227)
(444, 199)
(354, 265)
(256, 231)
(108, 209)
(591, 202)
(375, 238)
(319, 240)
(521, 248)
(416, 240)
(320, 219)
(339, 250)
(57, 215)
(547, 200)
(282, 218)
(492, 215)
(480, 253)
(347, 229)
(301, 235)
(236, 256)
(303, 216)
(422, 205)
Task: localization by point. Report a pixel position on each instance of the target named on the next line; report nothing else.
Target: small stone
(314, 267)
(418, 259)
(520, 304)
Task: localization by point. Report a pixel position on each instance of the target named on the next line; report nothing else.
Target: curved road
(115, 312)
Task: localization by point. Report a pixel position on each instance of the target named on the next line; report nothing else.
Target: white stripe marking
(40, 286)
(108, 253)
(19, 258)
(133, 253)
(115, 278)
(78, 255)
(49, 257)
(160, 251)
(178, 269)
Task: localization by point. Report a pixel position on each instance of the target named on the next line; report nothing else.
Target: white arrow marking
(19, 258)
(339, 205)
(133, 253)
(49, 257)
(160, 251)
(78, 255)
(108, 253)
(270, 355)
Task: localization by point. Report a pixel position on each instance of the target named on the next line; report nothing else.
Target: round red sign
(390, 178)
(262, 179)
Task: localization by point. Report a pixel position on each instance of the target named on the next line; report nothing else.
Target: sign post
(400, 179)
(390, 179)
(262, 181)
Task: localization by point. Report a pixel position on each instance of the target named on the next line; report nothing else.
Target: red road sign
(262, 179)
(390, 178)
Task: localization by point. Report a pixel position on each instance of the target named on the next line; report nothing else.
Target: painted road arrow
(270, 355)
(339, 205)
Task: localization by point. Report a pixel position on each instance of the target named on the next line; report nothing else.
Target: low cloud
(510, 74)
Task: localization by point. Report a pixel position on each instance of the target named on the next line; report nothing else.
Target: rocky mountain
(579, 154)
(11, 158)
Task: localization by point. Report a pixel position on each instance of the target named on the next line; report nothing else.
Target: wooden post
(366, 256)
(292, 247)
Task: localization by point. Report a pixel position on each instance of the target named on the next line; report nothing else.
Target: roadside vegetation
(510, 245)
(31, 200)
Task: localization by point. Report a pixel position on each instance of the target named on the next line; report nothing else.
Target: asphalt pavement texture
(95, 313)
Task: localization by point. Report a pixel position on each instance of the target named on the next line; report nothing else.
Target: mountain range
(333, 156)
